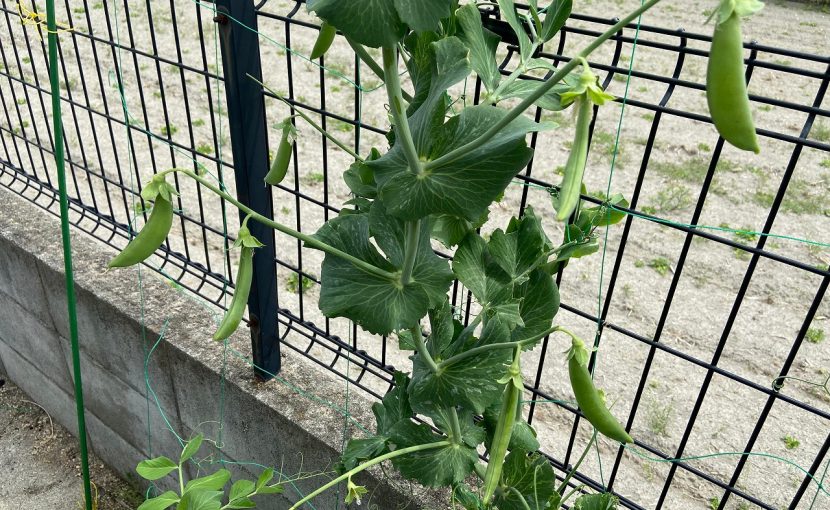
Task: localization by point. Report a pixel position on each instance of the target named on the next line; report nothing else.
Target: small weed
(79, 10)
(648, 116)
(292, 284)
(169, 130)
(674, 197)
(704, 147)
(27, 60)
(315, 178)
(285, 210)
(765, 108)
(814, 335)
(661, 265)
(821, 132)
(620, 77)
(639, 263)
(825, 163)
(21, 101)
(659, 417)
(714, 503)
(204, 148)
(790, 443)
(198, 122)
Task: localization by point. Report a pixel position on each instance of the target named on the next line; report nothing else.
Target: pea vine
(437, 180)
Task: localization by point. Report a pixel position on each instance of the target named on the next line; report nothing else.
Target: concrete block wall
(263, 423)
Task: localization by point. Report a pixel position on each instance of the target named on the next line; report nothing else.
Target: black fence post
(247, 124)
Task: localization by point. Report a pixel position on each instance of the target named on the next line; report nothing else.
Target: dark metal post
(246, 115)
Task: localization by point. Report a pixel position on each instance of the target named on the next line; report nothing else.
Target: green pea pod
(504, 427)
(726, 86)
(244, 276)
(279, 167)
(575, 167)
(149, 238)
(588, 397)
(324, 40)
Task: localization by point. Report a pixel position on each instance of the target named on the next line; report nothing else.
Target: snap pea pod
(589, 399)
(324, 40)
(244, 276)
(279, 166)
(575, 167)
(726, 92)
(504, 427)
(149, 238)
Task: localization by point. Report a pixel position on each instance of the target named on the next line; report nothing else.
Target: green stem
(367, 59)
(418, 339)
(368, 464)
(522, 68)
(455, 425)
(520, 497)
(570, 474)
(313, 242)
(181, 481)
(413, 233)
(308, 119)
(540, 91)
(393, 89)
(573, 491)
(503, 345)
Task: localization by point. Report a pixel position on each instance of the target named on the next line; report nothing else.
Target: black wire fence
(158, 85)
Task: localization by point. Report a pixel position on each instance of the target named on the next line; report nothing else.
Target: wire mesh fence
(703, 302)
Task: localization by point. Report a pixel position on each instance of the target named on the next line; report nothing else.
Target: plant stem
(181, 481)
(570, 474)
(413, 234)
(403, 136)
(573, 491)
(455, 425)
(422, 348)
(368, 464)
(308, 119)
(503, 345)
(393, 89)
(313, 242)
(519, 495)
(367, 59)
(540, 91)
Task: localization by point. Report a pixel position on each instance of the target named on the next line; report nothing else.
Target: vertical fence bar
(246, 121)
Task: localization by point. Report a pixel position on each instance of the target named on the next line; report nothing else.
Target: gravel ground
(40, 463)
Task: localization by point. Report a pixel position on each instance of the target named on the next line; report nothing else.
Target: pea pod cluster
(726, 92)
(588, 397)
(155, 231)
(279, 165)
(585, 94)
(244, 275)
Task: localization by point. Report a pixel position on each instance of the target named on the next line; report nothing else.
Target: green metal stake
(52, 29)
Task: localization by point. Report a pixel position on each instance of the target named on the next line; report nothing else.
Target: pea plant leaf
(435, 467)
(373, 23)
(522, 88)
(467, 185)
(482, 44)
(600, 501)
(539, 306)
(423, 15)
(508, 11)
(471, 434)
(160, 502)
(359, 450)
(211, 482)
(201, 499)
(394, 407)
(531, 477)
(555, 17)
(470, 382)
(154, 469)
(384, 304)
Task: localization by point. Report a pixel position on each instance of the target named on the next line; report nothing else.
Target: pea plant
(442, 171)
